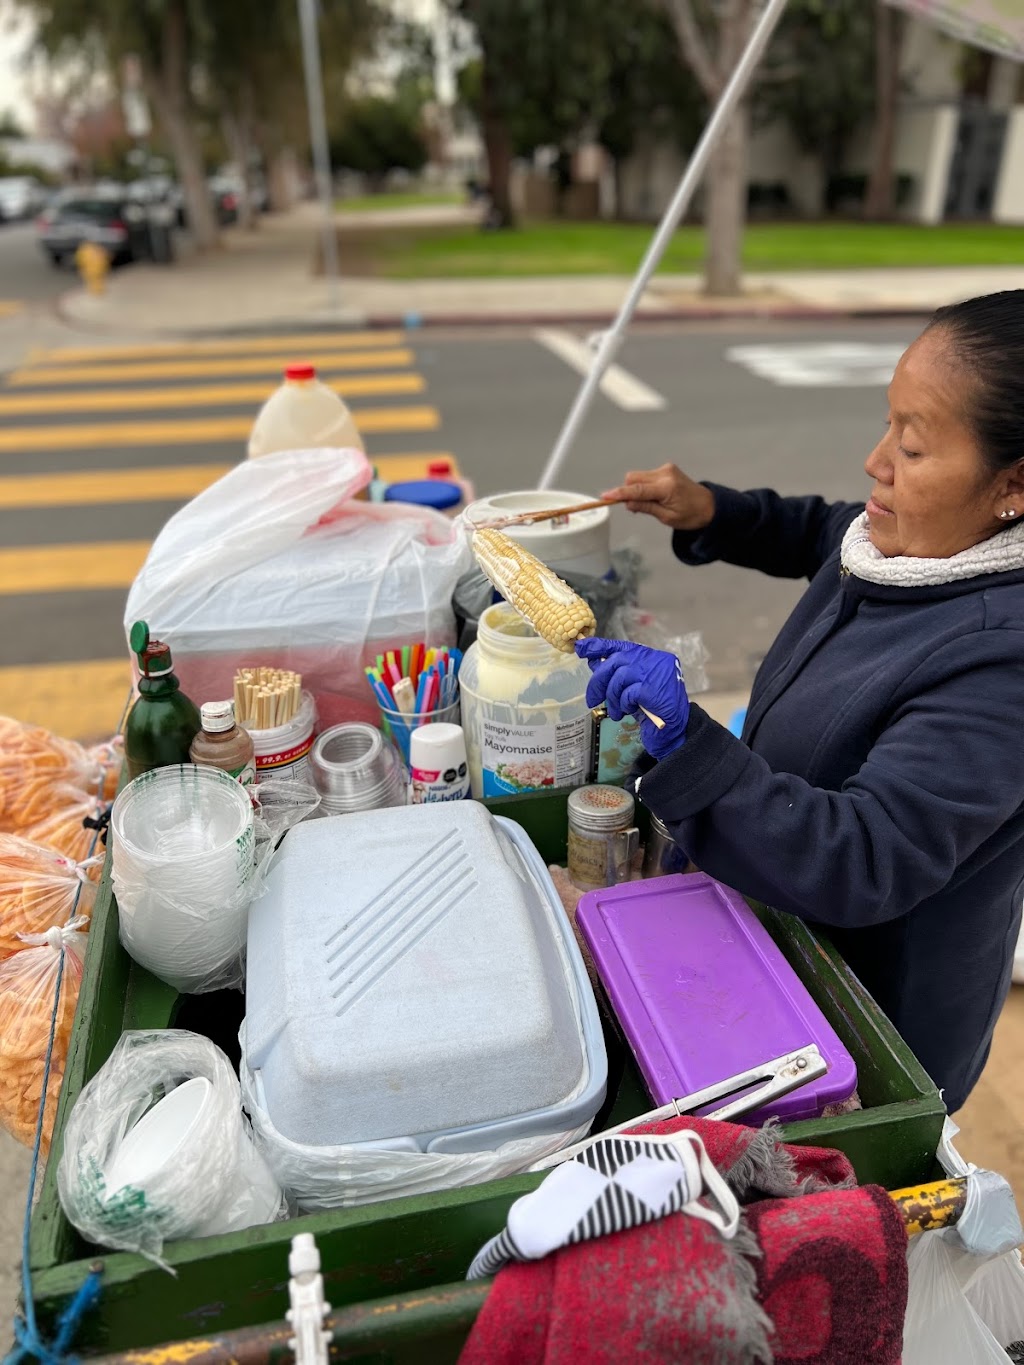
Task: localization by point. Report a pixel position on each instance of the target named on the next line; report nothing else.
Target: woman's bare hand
(667, 494)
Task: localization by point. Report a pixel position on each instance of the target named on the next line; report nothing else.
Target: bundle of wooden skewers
(266, 697)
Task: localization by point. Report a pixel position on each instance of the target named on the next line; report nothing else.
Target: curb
(580, 318)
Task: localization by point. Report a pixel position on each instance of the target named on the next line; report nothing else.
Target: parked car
(21, 196)
(89, 216)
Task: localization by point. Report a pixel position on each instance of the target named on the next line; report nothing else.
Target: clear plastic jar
(524, 709)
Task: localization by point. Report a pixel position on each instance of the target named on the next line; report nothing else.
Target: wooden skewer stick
(548, 514)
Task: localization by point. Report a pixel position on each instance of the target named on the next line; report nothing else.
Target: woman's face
(933, 494)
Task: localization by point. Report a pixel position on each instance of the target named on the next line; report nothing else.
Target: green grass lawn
(398, 199)
(617, 248)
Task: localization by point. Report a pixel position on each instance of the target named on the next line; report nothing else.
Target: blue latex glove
(627, 677)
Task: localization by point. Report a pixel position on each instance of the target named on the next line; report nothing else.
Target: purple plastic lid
(702, 992)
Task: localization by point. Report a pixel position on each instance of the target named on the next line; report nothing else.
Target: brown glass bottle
(223, 744)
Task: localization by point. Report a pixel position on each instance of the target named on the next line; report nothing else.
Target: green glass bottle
(163, 722)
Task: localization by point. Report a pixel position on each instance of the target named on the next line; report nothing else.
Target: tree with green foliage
(378, 135)
(819, 79)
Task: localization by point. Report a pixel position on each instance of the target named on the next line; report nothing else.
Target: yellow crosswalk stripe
(186, 430)
(190, 396)
(67, 568)
(9, 308)
(223, 346)
(172, 483)
(271, 365)
(79, 701)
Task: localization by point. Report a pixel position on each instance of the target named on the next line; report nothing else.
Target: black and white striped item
(616, 1183)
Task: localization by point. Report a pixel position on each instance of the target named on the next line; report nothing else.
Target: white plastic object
(581, 544)
(308, 1305)
(412, 981)
(524, 709)
(941, 1324)
(277, 564)
(303, 414)
(283, 751)
(438, 766)
(187, 849)
(134, 1175)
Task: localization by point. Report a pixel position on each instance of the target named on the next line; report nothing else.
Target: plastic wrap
(28, 984)
(317, 1178)
(190, 853)
(644, 628)
(39, 889)
(277, 564)
(64, 828)
(203, 1180)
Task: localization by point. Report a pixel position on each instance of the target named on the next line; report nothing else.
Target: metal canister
(602, 836)
(662, 855)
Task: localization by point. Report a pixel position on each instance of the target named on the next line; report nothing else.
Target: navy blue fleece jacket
(878, 790)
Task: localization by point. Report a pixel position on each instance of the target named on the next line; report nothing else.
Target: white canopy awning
(997, 25)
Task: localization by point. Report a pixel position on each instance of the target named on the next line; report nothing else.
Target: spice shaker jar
(662, 855)
(602, 836)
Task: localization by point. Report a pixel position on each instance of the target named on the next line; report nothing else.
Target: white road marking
(829, 364)
(618, 384)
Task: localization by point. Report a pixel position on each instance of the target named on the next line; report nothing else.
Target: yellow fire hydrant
(93, 263)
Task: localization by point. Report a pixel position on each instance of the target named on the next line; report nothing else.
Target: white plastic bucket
(582, 545)
(284, 750)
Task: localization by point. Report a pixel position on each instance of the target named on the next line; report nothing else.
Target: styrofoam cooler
(702, 992)
(413, 983)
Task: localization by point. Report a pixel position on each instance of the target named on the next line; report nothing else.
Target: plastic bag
(941, 1324)
(277, 564)
(28, 984)
(644, 628)
(64, 828)
(39, 889)
(317, 1178)
(35, 765)
(205, 1180)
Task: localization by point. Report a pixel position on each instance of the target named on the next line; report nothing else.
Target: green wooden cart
(394, 1271)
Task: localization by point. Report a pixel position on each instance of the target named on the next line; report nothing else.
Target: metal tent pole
(318, 144)
(613, 338)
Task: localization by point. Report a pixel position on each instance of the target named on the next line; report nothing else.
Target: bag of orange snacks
(39, 889)
(37, 768)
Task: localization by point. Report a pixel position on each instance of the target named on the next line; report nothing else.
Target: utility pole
(308, 18)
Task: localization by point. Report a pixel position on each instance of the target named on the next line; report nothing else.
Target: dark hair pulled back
(988, 338)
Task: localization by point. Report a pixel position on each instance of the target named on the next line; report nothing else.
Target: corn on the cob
(555, 612)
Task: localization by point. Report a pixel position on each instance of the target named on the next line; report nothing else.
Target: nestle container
(702, 993)
(524, 709)
(413, 982)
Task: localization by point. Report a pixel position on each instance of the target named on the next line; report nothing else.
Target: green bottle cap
(153, 655)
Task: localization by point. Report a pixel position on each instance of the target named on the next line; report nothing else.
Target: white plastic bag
(278, 564)
(318, 1178)
(941, 1324)
(213, 1181)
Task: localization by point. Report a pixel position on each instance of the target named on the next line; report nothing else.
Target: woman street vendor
(878, 789)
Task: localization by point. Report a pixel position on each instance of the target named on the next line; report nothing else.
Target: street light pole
(318, 145)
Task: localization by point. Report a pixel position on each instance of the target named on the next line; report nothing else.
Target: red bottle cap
(300, 372)
(439, 469)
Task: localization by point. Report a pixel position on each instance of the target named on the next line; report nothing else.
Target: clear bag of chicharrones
(40, 889)
(31, 1005)
(37, 766)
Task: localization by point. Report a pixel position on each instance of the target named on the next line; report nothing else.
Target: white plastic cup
(438, 769)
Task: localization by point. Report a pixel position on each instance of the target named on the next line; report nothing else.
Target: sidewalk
(264, 279)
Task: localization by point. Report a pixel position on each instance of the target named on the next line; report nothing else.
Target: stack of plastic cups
(353, 769)
(183, 861)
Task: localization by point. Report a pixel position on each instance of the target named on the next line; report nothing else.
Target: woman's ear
(1010, 488)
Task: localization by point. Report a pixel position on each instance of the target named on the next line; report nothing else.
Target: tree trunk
(726, 194)
(498, 149)
(880, 199)
(238, 149)
(726, 210)
(280, 164)
(167, 87)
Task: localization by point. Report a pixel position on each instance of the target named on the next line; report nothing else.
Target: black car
(107, 220)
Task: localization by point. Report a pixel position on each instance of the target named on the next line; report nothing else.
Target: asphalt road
(495, 401)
